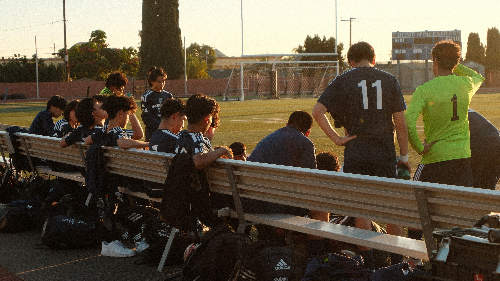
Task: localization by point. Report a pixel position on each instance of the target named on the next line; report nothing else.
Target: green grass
(252, 120)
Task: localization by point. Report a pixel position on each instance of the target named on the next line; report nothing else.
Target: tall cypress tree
(492, 50)
(475, 49)
(161, 43)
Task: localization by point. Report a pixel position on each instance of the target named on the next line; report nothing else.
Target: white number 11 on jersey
(364, 91)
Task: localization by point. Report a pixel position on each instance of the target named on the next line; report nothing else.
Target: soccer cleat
(116, 249)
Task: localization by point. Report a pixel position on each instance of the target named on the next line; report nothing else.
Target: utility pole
(65, 44)
(350, 30)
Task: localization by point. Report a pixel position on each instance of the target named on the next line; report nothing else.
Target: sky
(269, 27)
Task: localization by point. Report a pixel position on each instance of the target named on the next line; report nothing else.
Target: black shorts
(380, 169)
(452, 172)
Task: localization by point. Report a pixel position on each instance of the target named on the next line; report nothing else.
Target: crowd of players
(366, 102)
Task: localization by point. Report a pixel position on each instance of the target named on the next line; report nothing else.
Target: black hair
(100, 98)
(115, 104)
(69, 107)
(199, 106)
(172, 106)
(116, 79)
(56, 101)
(153, 74)
(301, 121)
(83, 112)
(238, 148)
(360, 51)
(328, 161)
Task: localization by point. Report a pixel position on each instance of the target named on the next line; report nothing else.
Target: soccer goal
(279, 78)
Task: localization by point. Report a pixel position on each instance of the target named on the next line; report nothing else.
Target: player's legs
(452, 172)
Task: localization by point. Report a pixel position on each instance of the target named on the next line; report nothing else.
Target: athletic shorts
(386, 170)
(452, 172)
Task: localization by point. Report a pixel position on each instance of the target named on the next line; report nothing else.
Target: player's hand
(407, 164)
(427, 147)
(228, 153)
(341, 141)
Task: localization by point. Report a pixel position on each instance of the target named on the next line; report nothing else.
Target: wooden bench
(413, 204)
(42, 147)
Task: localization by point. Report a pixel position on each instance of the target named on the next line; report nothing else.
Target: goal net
(279, 79)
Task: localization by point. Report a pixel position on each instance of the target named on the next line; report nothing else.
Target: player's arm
(477, 79)
(202, 160)
(415, 108)
(136, 127)
(126, 143)
(319, 114)
(402, 135)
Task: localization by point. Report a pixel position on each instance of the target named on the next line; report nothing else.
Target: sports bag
(265, 261)
(64, 231)
(215, 257)
(337, 267)
(16, 216)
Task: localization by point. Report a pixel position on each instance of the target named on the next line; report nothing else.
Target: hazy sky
(270, 27)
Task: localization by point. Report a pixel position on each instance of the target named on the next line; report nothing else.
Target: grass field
(252, 120)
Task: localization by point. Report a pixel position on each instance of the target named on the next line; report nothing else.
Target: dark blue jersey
(150, 104)
(110, 138)
(62, 128)
(192, 143)
(286, 146)
(42, 124)
(363, 101)
(163, 141)
(80, 133)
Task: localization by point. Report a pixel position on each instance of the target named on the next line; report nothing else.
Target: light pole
(65, 44)
(350, 30)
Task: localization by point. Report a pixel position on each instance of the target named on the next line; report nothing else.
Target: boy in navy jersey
(365, 101)
(120, 110)
(172, 121)
(68, 123)
(43, 124)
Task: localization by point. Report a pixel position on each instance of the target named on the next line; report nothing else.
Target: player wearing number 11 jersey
(443, 103)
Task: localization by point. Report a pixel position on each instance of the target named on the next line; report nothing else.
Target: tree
(196, 68)
(161, 43)
(492, 60)
(321, 45)
(24, 70)
(475, 49)
(203, 52)
(93, 59)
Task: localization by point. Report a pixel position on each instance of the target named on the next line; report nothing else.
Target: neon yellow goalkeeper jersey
(443, 103)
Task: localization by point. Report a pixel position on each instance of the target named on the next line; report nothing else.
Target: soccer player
(152, 100)
(239, 151)
(120, 110)
(43, 123)
(443, 102)
(91, 116)
(68, 123)
(115, 83)
(172, 121)
(365, 101)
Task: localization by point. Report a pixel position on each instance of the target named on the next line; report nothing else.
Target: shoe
(116, 249)
(141, 245)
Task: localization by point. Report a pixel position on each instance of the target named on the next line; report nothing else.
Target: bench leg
(167, 249)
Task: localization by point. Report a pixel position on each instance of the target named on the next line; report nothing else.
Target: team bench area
(418, 205)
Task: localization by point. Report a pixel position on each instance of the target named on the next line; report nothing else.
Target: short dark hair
(83, 112)
(359, 52)
(100, 98)
(69, 107)
(328, 161)
(56, 101)
(115, 104)
(199, 106)
(301, 121)
(172, 106)
(238, 148)
(447, 53)
(155, 72)
(116, 79)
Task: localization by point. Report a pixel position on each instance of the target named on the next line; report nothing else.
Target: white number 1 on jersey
(364, 91)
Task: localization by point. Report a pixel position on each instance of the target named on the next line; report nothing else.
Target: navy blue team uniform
(42, 124)
(80, 134)
(163, 141)
(363, 101)
(150, 104)
(62, 128)
(110, 138)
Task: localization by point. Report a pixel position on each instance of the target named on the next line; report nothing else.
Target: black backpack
(265, 261)
(16, 216)
(186, 197)
(20, 162)
(214, 259)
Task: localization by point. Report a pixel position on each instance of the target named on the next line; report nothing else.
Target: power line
(30, 26)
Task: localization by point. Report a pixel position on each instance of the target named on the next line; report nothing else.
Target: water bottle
(403, 172)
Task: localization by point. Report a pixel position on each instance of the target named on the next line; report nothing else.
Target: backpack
(215, 257)
(16, 216)
(20, 162)
(401, 271)
(63, 231)
(186, 197)
(337, 267)
(265, 261)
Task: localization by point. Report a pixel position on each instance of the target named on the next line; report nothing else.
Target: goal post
(280, 78)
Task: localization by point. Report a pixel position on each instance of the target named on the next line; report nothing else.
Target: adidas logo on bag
(281, 279)
(281, 266)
